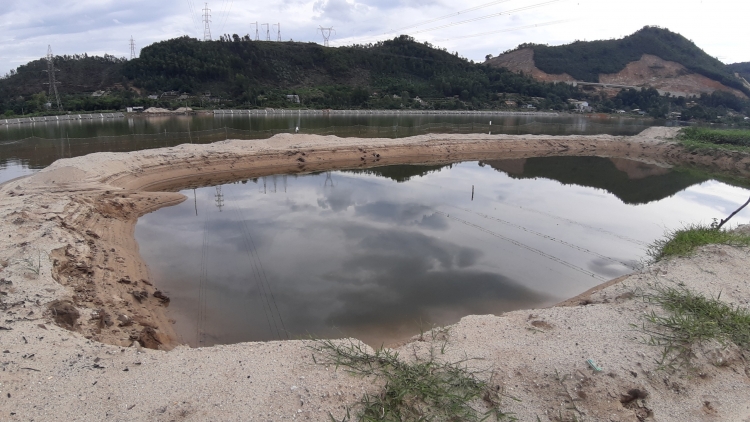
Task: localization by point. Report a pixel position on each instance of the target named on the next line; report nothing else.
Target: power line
(517, 28)
(193, 17)
(226, 15)
(450, 15)
(507, 12)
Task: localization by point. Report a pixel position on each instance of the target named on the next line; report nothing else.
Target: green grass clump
(708, 138)
(683, 242)
(422, 390)
(692, 319)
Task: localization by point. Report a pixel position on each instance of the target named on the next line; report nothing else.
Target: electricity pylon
(278, 33)
(268, 31)
(219, 198)
(326, 32)
(206, 22)
(51, 73)
(132, 48)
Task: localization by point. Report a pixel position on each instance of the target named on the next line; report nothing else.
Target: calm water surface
(380, 254)
(30, 147)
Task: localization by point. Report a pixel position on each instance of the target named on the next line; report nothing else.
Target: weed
(708, 138)
(692, 319)
(33, 265)
(682, 242)
(424, 389)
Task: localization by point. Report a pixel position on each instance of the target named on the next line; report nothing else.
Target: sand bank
(76, 296)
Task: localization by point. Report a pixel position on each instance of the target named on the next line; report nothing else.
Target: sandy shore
(76, 295)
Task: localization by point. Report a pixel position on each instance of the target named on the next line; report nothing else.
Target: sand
(84, 333)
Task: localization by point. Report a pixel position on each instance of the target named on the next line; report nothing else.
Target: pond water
(381, 254)
(29, 147)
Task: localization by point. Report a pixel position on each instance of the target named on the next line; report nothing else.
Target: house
(153, 97)
(674, 115)
(620, 111)
(98, 94)
(510, 103)
(293, 98)
(529, 107)
(418, 100)
(581, 106)
(134, 109)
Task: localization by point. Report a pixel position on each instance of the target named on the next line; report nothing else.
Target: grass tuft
(707, 138)
(424, 389)
(683, 242)
(692, 319)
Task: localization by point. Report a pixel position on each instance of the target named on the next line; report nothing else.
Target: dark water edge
(29, 147)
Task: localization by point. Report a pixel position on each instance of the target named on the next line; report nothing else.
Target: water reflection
(29, 147)
(382, 253)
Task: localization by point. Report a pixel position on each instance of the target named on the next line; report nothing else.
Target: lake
(384, 253)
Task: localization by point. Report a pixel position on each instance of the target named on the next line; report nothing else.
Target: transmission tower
(278, 34)
(257, 32)
(51, 73)
(268, 31)
(326, 32)
(206, 22)
(219, 198)
(132, 48)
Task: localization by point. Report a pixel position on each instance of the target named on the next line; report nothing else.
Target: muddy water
(381, 254)
(27, 148)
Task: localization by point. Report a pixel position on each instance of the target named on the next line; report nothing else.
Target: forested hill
(77, 73)
(742, 68)
(242, 69)
(586, 60)
(246, 73)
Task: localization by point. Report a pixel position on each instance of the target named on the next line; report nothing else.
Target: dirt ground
(84, 333)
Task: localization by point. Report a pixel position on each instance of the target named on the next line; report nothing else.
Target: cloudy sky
(473, 28)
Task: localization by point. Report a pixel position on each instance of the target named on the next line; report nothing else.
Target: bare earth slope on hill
(70, 273)
(649, 71)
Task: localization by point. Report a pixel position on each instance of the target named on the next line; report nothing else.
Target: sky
(97, 27)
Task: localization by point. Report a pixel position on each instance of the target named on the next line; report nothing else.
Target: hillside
(742, 70)
(652, 56)
(244, 73)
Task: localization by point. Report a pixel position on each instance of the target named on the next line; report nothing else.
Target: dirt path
(76, 295)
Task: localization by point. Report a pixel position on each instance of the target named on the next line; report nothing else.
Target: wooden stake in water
(472, 192)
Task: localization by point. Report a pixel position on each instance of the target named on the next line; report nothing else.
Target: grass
(708, 138)
(683, 242)
(692, 319)
(422, 390)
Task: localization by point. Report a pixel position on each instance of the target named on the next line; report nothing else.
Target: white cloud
(105, 26)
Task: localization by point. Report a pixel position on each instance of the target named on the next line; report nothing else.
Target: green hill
(245, 73)
(586, 60)
(742, 68)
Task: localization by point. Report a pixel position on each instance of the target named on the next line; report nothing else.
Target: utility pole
(51, 73)
(132, 48)
(278, 34)
(268, 31)
(206, 22)
(219, 198)
(326, 32)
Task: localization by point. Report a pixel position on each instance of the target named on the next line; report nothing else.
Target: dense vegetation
(701, 137)
(243, 73)
(742, 68)
(260, 73)
(585, 60)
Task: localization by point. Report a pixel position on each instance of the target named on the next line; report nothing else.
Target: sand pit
(81, 315)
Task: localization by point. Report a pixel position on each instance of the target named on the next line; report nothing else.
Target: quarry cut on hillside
(649, 71)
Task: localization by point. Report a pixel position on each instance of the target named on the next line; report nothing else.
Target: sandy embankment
(81, 213)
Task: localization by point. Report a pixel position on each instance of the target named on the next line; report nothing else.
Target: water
(30, 147)
(381, 254)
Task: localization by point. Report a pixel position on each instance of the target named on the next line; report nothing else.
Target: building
(293, 98)
(134, 109)
(510, 103)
